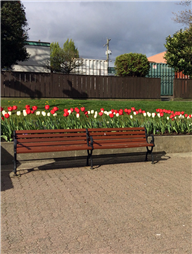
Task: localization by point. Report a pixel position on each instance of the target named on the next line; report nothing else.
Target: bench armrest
(89, 139)
(152, 140)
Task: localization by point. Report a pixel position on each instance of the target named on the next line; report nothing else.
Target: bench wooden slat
(37, 144)
(50, 131)
(116, 129)
(48, 139)
(122, 145)
(52, 149)
(49, 135)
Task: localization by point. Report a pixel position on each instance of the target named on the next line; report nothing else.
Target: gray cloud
(140, 27)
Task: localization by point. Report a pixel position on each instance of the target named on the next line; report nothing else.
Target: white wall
(92, 67)
(39, 56)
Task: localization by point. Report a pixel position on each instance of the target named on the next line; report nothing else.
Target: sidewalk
(124, 205)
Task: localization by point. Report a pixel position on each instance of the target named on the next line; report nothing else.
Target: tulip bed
(160, 122)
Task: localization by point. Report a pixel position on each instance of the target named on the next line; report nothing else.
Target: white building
(38, 60)
(92, 67)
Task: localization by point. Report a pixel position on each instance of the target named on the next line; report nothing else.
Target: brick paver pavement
(132, 207)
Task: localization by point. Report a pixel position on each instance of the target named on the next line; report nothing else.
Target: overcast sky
(132, 26)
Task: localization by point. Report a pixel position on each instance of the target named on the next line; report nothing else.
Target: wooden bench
(115, 138)
(43, 141)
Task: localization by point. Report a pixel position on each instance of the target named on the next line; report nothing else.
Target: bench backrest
(51, 137)
(137, 134)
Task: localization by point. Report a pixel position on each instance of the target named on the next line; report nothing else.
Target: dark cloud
(140, 27)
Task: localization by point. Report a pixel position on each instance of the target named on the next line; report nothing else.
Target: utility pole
(107, 52)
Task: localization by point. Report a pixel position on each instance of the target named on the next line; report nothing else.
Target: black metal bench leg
(89, 156)
(15, 155)
(15, 163)
(149, 152)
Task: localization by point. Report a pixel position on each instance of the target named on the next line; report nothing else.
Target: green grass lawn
(147, 105)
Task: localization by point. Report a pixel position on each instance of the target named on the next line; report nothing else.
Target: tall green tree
(132, 64)
(64, 59)
(179, 51)
(13, 33)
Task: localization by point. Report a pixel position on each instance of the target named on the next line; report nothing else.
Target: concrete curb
(167, 144)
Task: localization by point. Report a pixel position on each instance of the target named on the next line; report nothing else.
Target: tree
(179, 51)
(13, 33)
(64, 59)
(132, 64)
(184, 17)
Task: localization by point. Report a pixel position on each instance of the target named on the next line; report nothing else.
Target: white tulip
(117, 114)
(9, 112)
(131, 116)
(158, 115)
(43, 113)
(69, 111)
(92, 111)
(88, 112)
(4, 112)
(37, 113)
(55, 114)
(144, 114)
(167, 118)
(95, 116)
(153, 115)
(48, 114)
(77, 115)
(24, 113)
(18, 113)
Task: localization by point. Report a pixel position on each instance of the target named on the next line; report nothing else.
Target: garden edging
(167, 144)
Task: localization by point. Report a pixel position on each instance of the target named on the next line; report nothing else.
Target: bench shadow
(98, 161)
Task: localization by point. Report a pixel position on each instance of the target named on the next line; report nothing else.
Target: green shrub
(132, 64)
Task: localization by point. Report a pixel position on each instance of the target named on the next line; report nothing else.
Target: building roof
(158, 58)
(37, 43)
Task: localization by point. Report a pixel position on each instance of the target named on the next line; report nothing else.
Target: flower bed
(161, 122)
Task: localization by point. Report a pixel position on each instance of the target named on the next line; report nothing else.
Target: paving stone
(131, 207)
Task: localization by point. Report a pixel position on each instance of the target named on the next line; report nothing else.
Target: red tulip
(47, 107)
(102, 109)
(55, 108)
(34, 108)
(140, 111)
(28, 111)
(186, 115)
(161, 114)
(120, 112)
(77, 110)
(111, 115)
(189, 116)
(112, 110)
(66, 114)
(137, 112)
(85, 112)
(82, 109)
(27, 106)
(182, 112)
(2, 118)
(32, 111)
(100, 113)
(14, 107)
(143, 111)
(65, 110)
(71, 110)
(6, 115)
(116, 111)
(157, 110)
(10, 108)
(1, 109)
(125, 110)
(133, 109)
(52, 111)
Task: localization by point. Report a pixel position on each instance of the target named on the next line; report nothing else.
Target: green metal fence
(158, 70)
(167, 75)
